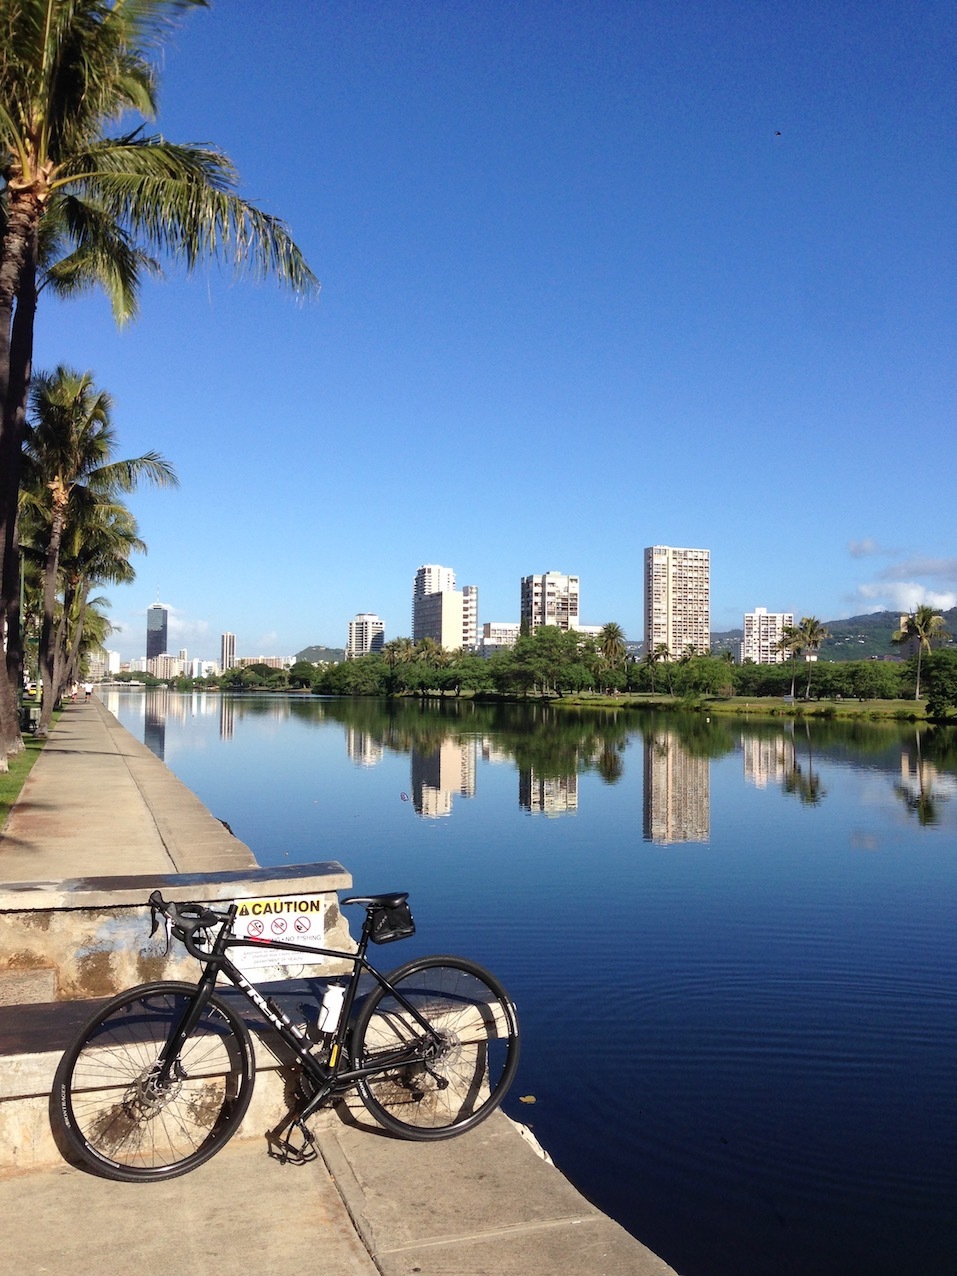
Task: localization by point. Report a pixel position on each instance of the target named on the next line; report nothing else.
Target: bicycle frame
(331, 1077)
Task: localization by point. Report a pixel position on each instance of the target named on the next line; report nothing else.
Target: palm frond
(181, 199)
(104, 255)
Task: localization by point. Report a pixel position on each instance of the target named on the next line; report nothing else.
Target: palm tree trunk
(71, 642)
(17, 310)
(47, 652)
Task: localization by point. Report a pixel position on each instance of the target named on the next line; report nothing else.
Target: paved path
(485, 1204)
(97, 802)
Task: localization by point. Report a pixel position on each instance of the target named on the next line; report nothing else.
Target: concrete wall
(90, 937)
(66, 942)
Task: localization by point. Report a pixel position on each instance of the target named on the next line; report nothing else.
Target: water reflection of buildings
(548, 794)
(441, 773)
(227, 717)
(677, 784)
(363, 748)
(767, 760)
(154, 723)
(494, 752)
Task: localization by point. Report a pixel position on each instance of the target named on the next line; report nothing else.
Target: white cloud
(907, 581)
(863, 548)
(943, 569)
(905, 596)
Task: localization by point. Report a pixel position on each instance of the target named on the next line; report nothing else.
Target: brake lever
(156, 913)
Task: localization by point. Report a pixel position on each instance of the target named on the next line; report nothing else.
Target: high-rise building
(157, 619)
(366, 633)
(763, 631)
(227, 652)
(498, 635)
(470, 623)
(431, 579)
(677, 599)
(550, 599)
(440, 611)
(439, 616)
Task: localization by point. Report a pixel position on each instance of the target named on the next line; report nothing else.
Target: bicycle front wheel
(447, 1042)
(116, 1110)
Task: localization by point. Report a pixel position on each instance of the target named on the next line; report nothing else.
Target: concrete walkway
(98, 803)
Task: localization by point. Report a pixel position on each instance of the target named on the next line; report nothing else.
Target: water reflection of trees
(800, 778)
(535, 737)
(552, 744)
(922, 787)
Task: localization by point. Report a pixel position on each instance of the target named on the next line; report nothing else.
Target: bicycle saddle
(392, 900)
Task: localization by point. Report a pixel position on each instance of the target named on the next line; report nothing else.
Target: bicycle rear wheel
(117, 1114)
(468, 1047)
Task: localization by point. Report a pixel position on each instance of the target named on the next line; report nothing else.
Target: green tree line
(552, 664)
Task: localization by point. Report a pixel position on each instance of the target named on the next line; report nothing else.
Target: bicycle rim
(471, 1049)
(117, 1112)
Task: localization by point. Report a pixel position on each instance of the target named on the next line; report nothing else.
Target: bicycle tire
(121, 1127)
(468, 1076)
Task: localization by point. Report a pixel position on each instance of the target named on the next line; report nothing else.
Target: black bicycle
(160, 1077)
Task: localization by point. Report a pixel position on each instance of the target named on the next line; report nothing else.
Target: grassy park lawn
(11, 782)
(756, 706)
(776, 706)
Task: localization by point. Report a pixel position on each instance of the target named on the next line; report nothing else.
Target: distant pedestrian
(87, 690)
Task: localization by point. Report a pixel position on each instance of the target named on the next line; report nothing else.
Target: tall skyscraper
(366, 633)
(440, 611)
(550, 599)
(763, 631)
(470, 622)
(227, 652)
(431, 579)
(439, 616)
(677, 599)
(157, 618)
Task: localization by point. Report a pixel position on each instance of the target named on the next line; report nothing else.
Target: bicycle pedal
(286, 1152)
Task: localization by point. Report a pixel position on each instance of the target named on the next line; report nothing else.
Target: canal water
(732, 946)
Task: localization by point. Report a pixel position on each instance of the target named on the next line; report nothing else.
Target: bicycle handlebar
(185, 920)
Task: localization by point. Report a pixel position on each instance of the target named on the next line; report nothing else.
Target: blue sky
(594, 277)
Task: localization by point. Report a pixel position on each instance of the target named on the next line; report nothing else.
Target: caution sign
(291, 918)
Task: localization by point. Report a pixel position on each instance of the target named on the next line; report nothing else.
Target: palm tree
(663, 653)
(791, 642)
(924, 625)
(810, 634)
(611, 644)
(611, 641)
(431, 653)
(94, 551)
(69, 445)
(66, 71)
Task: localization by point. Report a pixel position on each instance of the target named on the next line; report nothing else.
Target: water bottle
(331, 1010)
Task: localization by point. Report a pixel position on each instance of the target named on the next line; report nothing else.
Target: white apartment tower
(441, 612)
(366, 633)
(439, 616)
(470, 622)
(550, 599)
(227, 652)
(763, 631)
(677, 599)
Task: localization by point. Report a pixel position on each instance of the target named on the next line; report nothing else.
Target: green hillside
(321, 655)
(864, 637)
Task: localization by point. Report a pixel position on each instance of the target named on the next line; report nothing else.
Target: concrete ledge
(32, 1042)
(113, 892)
(89, 937)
